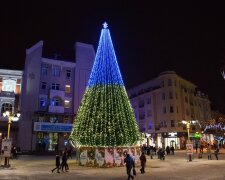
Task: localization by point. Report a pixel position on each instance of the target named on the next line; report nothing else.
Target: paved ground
(173, 168)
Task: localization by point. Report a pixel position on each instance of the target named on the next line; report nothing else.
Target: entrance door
(173, 143)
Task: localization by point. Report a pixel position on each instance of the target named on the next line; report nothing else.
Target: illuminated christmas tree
(105, 117)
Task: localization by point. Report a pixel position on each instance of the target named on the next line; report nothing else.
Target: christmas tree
(105, 117)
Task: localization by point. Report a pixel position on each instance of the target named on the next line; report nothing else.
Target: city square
(174, 167)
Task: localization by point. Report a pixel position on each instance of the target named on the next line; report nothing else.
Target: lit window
(67, 104)
(67, 89)
(42, 102)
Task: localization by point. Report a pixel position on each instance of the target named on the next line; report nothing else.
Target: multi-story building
(52, 90)
(10, 88)
(161, 105)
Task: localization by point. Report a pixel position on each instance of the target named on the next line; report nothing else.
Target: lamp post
(190, 146)
(11, 118)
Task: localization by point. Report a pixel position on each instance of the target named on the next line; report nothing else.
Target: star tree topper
(105, 25)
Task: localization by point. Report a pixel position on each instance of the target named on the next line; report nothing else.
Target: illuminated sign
(173, 134)
(214, 127)
(52, 127)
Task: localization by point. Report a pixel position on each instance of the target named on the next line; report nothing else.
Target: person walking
(143, 162)
(57, 163)
(216, 152)
(64, 164)
(129, 165)
(172, 150)
(209, 152)
(167, 150)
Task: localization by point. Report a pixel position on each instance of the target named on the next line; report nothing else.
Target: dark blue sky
(148, 37)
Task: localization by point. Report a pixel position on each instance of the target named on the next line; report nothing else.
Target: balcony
(7, 94)
(56, 93)
(56, 109)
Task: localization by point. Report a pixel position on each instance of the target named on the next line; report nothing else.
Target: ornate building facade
(10, 90)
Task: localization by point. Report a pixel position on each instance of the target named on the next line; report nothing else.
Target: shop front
(51, 136)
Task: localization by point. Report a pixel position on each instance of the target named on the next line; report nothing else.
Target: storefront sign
(52, 127)
(6, 147)
(189, 149)
(173, 134)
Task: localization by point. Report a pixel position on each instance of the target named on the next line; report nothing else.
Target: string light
(105, 117)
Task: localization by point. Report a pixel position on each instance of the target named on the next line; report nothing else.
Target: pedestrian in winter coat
(216, 152)
(129, 165)
(64, 162)
(57, 164)
(143, 162)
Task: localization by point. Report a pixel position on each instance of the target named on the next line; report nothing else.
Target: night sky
(148, 38)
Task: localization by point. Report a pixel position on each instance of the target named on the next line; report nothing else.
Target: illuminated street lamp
(188, 123)
(11, 118)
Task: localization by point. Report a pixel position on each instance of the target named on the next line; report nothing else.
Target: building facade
(162, 104)
(51, 93)
(10, 89)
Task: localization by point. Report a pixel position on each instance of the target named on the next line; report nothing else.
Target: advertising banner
(6, 147)
(189, 149)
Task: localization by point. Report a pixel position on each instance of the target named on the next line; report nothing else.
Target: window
(149, 113)
(172, 123)
(169, 82)
(141, 103)
(66, 119)
(176, 96)
(42, 102)
(56, 71)
(163, 96)
(171, 95)
(55, 86)
(67, 88)
(150, 125)
(175, 83)
(177, 110)
(171, 109)
(54, 120)
(68, 74)
(164, 110)
(6, 107)
(141, 115)
(67, 104)
(43, 85)
(165, 125)
(162, 83)
(149, 100)
(44, 70)
(55, 102)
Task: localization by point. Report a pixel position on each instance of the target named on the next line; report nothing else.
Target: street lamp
(11, 118)
(189, 146)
